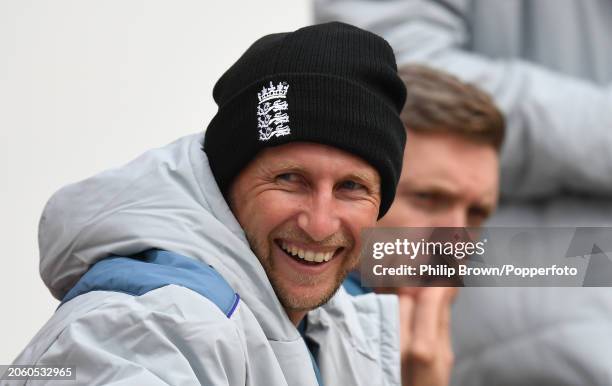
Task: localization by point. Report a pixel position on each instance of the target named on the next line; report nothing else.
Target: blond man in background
(450, 178)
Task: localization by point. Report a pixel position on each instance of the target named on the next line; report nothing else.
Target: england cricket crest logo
(272, 116)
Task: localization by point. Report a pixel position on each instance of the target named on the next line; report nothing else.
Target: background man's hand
(425, 341)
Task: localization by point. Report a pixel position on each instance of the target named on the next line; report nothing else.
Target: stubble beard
(294, 303)
(286, 298)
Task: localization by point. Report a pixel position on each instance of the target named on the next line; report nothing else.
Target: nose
(320, 219)
(454, 217)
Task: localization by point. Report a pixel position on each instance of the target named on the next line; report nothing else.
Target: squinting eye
(424, 196)
(288, 177)
(351, 185)
(428, 199)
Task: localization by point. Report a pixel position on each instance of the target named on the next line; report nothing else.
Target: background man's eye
(429, 200)
(424, 195)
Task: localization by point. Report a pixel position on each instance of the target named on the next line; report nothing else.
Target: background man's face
(301, 202)
(447, 181)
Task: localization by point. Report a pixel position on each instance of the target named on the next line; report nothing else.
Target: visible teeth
(309, 256)
(317, 257)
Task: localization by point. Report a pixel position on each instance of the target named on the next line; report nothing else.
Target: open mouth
(307, 256)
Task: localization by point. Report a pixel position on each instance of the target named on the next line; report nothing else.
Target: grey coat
(167, 199)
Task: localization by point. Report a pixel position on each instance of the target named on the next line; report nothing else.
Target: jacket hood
(167, 199)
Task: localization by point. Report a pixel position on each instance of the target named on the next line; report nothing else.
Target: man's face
(447, 181)
(302, 202)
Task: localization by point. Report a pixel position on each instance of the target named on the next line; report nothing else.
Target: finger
(448, 297)
(445, 342)
(428, 311)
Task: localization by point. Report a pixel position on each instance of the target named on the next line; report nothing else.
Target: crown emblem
(273, 92)
(272, 116)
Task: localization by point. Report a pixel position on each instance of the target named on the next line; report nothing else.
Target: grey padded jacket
(167, 199)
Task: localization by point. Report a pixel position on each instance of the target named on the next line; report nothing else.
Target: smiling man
(307, 240)
(217, 260)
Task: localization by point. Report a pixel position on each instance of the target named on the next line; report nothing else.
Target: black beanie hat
(331, 83)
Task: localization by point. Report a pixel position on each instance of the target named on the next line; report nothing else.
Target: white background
(87, 85)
